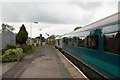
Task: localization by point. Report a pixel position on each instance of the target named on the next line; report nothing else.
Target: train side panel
(97, 45)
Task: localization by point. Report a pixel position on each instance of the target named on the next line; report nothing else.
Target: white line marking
(74, 65)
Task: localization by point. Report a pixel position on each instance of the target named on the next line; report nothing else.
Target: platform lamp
(31, 34)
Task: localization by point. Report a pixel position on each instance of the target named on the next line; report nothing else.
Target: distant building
(29, 41)
(6, 37)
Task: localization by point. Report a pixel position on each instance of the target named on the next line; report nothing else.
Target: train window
(93, 42)
(72, 41)
(69, 41)
(117, 43)
(81, 41)
(59, 42)
(111, 42)
(65, 40)
(75, 41)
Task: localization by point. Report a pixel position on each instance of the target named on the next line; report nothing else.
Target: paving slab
(72, 69)
(48, 65)
(16, 70)
(7, 66)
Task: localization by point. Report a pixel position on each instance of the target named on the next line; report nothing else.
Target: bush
(11, 46)
(25, 48)
(3, 51)
(13, 55)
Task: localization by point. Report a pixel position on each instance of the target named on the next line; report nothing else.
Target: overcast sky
(55, 16)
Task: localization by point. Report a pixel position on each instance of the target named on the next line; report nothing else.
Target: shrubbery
(3, 51)
(26, 48)
(11, 46)
(13, 55)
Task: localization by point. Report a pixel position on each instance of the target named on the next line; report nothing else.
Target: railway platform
(45, 63)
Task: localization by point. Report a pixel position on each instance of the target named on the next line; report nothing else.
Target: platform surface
(46, 62)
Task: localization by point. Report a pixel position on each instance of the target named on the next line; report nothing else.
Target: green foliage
(22, 35)
(26, 48)
(3, 51)
(13, 55)
(7, 27)
(51, 39)
(43, 39)
(11, 46)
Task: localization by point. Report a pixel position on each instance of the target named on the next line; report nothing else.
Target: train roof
(99, 23)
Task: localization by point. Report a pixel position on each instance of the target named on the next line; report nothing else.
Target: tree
(6, 27)
(77, 28)
(51, 39)
(42, 39)
(3, 26)
(22, 35)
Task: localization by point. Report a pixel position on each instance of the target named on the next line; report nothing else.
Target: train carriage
(97, 45)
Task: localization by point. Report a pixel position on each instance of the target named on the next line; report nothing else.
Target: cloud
(88, 5)
(47, 12)
(56, 17)
(105, 10)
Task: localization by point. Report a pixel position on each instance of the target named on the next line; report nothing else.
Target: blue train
(97, 45)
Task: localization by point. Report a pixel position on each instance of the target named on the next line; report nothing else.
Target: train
(97, 45)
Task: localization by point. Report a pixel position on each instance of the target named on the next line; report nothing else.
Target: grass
(31, 51)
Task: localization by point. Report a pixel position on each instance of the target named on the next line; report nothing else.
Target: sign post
(40, 39)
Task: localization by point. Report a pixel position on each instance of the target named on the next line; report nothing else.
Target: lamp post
(31, 34)
(31, 29)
